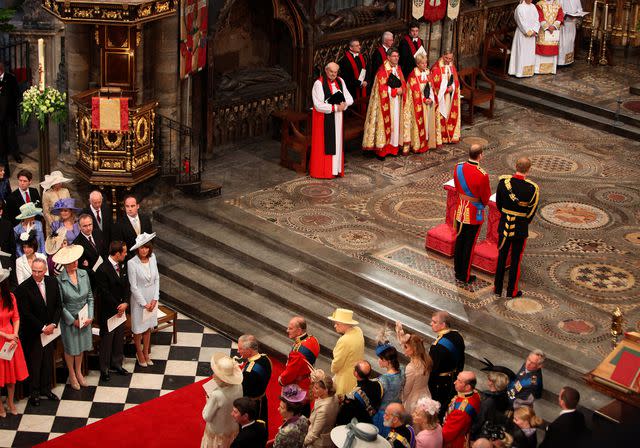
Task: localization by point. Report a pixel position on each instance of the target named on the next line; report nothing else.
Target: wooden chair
(496, 52)
(474, 95)
(296, 137)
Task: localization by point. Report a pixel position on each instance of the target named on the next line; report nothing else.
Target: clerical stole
(412, 46)
(549, 13)
(360, 92)
(448, 102)
(422, 130)
(382, 129)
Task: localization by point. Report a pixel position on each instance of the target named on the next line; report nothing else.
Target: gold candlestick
(617, 326)
(590, 55)
(603, 46)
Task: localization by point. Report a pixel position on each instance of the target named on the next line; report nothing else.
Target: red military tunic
(302, 357)
(463, 410)
(477, 183)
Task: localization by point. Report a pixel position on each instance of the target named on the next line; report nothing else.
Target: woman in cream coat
(325, 411)
(145, 292)
(220, 427)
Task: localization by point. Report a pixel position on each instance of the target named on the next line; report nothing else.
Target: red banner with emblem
(435, 10)
(193, 36)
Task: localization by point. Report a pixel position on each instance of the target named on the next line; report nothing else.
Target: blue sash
(463, 184)
(261, 371)
(470, 410)
(446, 343)
(308, 354)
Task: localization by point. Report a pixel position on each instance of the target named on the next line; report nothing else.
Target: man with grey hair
(330, 99)
(527, 386)
(401, 434)
(379, 56)
(101, 215)
(256, 373)
(353, 70)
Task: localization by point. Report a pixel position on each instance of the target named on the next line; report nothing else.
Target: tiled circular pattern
(574, 215)
(353, 237)
(524, 305)
(633, 238)
(602, 277)
(577, 326)
(616, 196)
(475, 141)
(314, 219)
(273, 201)
(317, 190)
(551, 163)
(412, 209)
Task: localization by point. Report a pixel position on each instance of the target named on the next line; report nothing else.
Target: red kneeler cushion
(441, 238)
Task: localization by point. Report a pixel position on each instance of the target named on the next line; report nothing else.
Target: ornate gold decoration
(83, 13)
(144, 11)
(96, 35)
(142, 131)
(617, 326)
(112, 164)
(112, 144)
(85, 129)
(138, 37)
(162, 7)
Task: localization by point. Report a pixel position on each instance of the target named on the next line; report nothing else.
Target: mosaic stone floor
(581, 260)
(596, 85)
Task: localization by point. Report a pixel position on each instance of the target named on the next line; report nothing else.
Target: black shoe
(104, 376)
(120, 371)
(518, 294)
(34, 401)
(381, 158)
(498, 293)
(17, 157)
(51, 396)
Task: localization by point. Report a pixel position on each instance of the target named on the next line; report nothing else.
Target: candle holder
(603, 49)
(617, 326)
(590, 55)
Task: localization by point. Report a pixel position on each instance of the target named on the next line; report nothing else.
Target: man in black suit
(113, 294)
(7, 240)
(40, 308)
(131, 224)
(351, 66)
(364, 400)
(21, 195)
(569, 429)
(408, 47)
(9, 95)
(253, 433)
(94, 248)
(101, 215)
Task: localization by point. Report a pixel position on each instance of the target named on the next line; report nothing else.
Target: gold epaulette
(481, 170)
(533, 183)
(505, 176)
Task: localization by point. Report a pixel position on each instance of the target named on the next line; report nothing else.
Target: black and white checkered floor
(175, 366)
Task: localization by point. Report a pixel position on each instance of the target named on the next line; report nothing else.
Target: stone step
(231, 257)
(580, 113)
(377, 292)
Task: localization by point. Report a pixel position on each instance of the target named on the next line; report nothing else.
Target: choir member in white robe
(572, 13)
(327, 154)
(523, 49)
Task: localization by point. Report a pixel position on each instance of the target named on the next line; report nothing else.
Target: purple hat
(293, 393)
(64, 203)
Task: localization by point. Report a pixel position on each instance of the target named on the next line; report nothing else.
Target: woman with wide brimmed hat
(75, 292)
(53, 192)
(145, 293)
(294, 426)
(16, 368)
(54, 243)
(29, 244)
(221, 428)
(358, 435)
(28, 223)
(68, 212)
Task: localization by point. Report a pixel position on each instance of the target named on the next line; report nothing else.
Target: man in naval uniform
(527, 386)
(364, 400)
(517, 201)
(401, 434)
(256, 373)
(447, 354)
(474, 191)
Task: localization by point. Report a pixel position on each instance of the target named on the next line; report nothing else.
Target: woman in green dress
(75, 291)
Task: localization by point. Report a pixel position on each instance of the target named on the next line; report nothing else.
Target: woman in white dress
(145, 291)
(53, 191)
(416, 374)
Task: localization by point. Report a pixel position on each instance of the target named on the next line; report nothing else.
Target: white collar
(88, 236)
(112, 261)
(567, 411)
(94, 210)
(248, 424)
(385, 48)
(133, 218)
(355, 55)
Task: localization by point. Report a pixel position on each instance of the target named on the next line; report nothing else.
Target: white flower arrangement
(48, 102)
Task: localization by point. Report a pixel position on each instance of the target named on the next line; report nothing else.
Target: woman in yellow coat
(348, 350)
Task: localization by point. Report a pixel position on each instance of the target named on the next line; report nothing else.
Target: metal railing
(181, 152)
(16, 60)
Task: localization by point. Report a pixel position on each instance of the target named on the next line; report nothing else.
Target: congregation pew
(496, 52)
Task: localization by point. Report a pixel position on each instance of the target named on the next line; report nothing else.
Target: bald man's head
(475, 152)
(465, 382)
(297, 327)
(362, 370)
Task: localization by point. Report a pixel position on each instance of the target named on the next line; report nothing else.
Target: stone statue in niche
(377, 11)
(249, 81)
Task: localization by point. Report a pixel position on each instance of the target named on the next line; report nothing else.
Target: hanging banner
(417, 9)
(453, 9)
(193, 36)
(435, 10)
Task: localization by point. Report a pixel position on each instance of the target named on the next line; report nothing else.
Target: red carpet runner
(174, 419)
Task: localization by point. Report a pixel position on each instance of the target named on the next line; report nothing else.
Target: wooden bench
(475, 95)
(296, 134)
(496, 52)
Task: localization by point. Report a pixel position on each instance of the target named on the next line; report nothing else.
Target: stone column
(78, 45)
(163, 48)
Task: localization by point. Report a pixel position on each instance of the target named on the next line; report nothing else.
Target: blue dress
(392, 392)
(74, 297)
(71, 234)
(18, 229)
